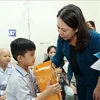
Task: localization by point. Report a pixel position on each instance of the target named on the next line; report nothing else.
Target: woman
(78, 44)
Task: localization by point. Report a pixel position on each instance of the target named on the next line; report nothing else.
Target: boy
(5, 71)
(22, 83)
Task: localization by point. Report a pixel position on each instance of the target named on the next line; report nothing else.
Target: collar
(8, 66)
(21, 71)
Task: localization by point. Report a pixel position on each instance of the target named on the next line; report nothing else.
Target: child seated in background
(69, 90)
(6, 70)
(22, 83)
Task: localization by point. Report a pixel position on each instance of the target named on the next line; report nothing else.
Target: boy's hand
(53, 89)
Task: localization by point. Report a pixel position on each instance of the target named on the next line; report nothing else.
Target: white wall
(13, 15)
(36, 20)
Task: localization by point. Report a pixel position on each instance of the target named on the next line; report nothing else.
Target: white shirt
(65, 67)
(4, 77)
(21, 85)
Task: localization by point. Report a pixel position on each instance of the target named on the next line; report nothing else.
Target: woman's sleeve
(95, 41)
(57, 59)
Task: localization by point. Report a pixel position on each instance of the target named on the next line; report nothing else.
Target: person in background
(6, 69)
(22, 83)
(51, 50)
(78, 44)
(69, 91)
(91, 24)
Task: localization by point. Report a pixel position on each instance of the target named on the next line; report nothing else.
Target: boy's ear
(19, 58)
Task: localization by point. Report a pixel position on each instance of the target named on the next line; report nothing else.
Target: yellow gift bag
(44, 73)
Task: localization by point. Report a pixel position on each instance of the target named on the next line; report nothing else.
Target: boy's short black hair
(20, 46)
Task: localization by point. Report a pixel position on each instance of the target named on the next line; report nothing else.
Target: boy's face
(29, 58)
(5, 57)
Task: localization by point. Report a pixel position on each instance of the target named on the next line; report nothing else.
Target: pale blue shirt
(4, 77)
(21, 85)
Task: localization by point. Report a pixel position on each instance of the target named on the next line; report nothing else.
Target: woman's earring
(76, 30)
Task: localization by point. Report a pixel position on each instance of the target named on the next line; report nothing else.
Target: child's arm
(22, 91)
(72, 86)
(50, 90)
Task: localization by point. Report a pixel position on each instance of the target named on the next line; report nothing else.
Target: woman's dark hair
(50, 47)
(73, 17)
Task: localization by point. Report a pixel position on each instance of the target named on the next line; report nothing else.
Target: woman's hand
(96, 93)
(58, 70)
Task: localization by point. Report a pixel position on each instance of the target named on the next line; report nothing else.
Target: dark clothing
(74, 64)
(84, 91)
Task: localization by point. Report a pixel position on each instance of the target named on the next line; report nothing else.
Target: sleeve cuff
(1, 93)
